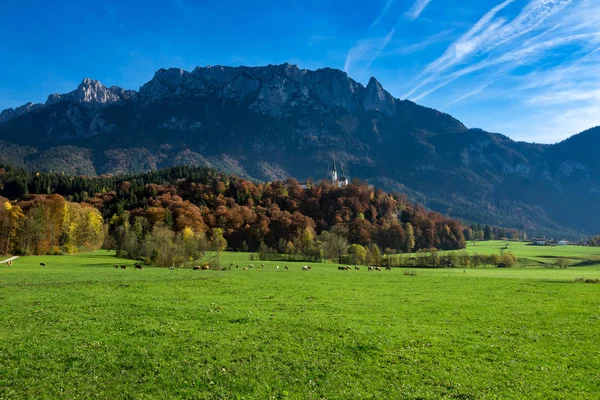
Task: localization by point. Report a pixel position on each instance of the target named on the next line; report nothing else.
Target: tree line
(475, 232)
(176, 205)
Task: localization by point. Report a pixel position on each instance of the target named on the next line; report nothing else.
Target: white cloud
(367, 50)
(416, 9)
(383, 13)
(545, 57)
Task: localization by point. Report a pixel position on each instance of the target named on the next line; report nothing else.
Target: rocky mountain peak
(93, 92)
(377, 98)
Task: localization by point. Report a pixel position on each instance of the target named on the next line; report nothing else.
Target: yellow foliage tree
(188, 233)
(11, 218)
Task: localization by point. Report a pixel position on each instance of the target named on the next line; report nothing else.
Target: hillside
(40, 208)
(281, 121)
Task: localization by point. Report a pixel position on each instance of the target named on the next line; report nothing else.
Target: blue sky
(527, 68)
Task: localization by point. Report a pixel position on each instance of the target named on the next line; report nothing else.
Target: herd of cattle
(308, 268)
(136, 266)
(206, 267)
(348, 268)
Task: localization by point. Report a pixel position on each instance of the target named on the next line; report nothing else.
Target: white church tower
(334, 175)
(338, 181)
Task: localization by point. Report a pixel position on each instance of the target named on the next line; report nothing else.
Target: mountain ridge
(281, 121)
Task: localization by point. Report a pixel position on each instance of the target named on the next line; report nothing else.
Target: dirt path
(9, 259)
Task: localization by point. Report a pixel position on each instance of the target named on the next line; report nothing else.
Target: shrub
(508, 259)
(562, 263)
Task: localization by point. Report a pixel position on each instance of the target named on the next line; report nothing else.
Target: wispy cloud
(416, 9)
(423, 44)
(383, 13)
(547, 53)
(366, 51)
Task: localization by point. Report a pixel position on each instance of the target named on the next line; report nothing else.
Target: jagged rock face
(89, 91)
(11, 113)
(93, 92)
(376, 98)
(271, 86)
(279, 120)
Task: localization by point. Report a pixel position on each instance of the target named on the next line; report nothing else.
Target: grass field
(532, 256)
(80, 329)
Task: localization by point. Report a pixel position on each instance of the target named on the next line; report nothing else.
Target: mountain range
(281, 121)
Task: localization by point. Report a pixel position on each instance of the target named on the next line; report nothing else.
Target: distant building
(339, 182)
(563, 243)
(538, 242)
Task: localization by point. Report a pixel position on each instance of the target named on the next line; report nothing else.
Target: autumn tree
(357, 253)
(374, 255)
(508, 259)
(11, 218)
(335, 243)
(410, 236)
(219, 244)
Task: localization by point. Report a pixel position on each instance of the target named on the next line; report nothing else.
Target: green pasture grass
(79, 329)
(533, 255)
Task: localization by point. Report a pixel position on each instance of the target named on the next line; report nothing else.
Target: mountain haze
(281, 121)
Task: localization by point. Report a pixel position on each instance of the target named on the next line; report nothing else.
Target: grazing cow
(306, 268)
(138, 266)
(237, 266)
(371, 269)
(42, 265)
(205, 267)
(377, 269)
(356, 269)
(245, 269)
(263, 265)
(341, 268)
(171, 268)
(116, 266)
(9, 264)
(277, 267)
(196, 267)
(250, 266)
(123, 266)
(388, 268)
(286, 267)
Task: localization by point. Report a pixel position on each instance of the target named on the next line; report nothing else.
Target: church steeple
(334, 175)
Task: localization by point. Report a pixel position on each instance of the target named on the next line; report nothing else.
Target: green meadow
(79, 329)
(535, 255)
